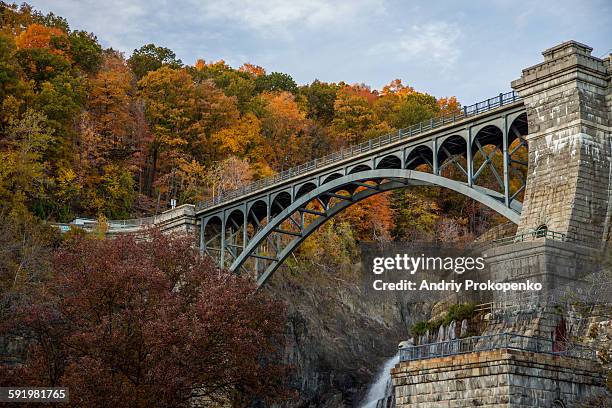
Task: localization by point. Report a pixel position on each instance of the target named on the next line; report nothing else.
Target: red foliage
(142, 323)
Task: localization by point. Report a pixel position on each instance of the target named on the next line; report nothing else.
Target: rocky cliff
(338, 335)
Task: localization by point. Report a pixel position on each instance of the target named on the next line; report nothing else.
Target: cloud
(430, 42)
(274, 16)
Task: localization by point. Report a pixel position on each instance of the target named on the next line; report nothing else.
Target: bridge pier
(568, 104)
(568, 202)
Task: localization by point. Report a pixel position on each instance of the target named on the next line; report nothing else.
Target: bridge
(268, 219)
(559, 111)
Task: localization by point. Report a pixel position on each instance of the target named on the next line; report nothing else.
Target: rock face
(338, 337)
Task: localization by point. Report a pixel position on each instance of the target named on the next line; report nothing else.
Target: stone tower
(568, 101)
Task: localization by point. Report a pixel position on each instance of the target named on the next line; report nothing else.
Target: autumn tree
(43, 52)
(275, 81)
(371, 219)
(449, 106)
(229, 174)
(213, 111)
(239, 84)
(414, 215)
(85, 50)
(190, 183)
(414, 108)
(245, 141)
(150, 58)
(320, 97)
(23, 176)
(283, 125)
(108, 103)
(253, 70)
(354, 119)
(40, 36)
(9, 69)
(396, 87)
(169, 99)
(122, 320)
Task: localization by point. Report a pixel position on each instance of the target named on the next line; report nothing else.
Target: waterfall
(380, 393)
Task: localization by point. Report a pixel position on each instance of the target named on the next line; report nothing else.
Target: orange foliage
(449, 106)
(363, 91)
(396, 87)
(282, 125)
(371, 219)
(254, 70)
(200, 64)
(242, 139)
(213, 66)
(39, 36)
(109, 100)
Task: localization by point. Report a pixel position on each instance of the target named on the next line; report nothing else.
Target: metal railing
(530, 236)
(510, 341)
(372, 144)
(113, 225)
(131, 223)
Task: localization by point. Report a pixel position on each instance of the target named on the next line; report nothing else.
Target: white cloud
(430, 42)
(280, 16)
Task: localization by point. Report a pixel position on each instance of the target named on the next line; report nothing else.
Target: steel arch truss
(484, 159)
(273, 242)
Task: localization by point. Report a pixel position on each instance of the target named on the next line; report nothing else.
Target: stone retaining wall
(498, 378)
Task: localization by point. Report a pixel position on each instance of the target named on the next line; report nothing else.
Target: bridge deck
(422, 131)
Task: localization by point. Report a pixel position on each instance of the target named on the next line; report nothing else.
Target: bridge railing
(354, 150)
(113, 225)
(530, 236)
(510, 341)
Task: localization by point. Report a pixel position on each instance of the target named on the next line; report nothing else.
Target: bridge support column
(506, 160)
(223, 242)
(469, 158)
(568, 103)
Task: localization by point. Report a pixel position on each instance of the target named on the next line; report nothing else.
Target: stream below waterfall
(380, 392)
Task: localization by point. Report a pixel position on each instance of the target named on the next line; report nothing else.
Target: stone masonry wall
(550, 262)
(179, 220)
(497, 378)
(568, 108)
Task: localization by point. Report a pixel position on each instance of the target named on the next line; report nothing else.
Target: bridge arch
(331, 177)
(452, 157)
(389, 162)
(358, 168)
(305, 188)
(280, 201)
(257, 209)
(385, 180)
(420, 155)
(211, 239)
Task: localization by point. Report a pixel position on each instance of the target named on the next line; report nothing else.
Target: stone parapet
(176, 220)
(179, 219)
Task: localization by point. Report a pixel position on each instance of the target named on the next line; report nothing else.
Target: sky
(469, 49)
